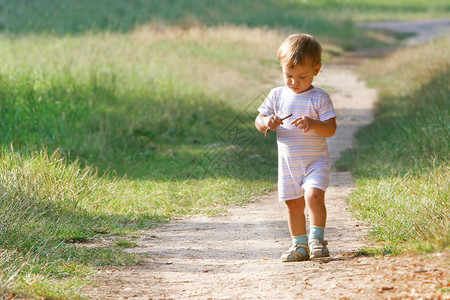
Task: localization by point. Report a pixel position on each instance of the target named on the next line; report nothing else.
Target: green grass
(98, 100)
(401, 159)
(47, 205)
(116, 117)
(125, 244)
(137, 140)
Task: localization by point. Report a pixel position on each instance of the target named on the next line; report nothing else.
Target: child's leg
(315, 199)
(296, 216)
(297, 227)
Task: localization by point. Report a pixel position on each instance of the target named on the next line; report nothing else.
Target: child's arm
(263, 122)
(325, 128)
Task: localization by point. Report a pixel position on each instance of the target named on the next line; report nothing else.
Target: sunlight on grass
(42, 200)
(131, 132)
(407, 211)
(401, 159)
(117, 106)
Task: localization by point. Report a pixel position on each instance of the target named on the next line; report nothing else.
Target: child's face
(300, 77)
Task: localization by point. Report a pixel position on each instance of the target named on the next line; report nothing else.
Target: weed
(125, 244)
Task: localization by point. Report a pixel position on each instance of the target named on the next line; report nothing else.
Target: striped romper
(303, 158)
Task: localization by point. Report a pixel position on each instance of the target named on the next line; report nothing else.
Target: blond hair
(297, 49)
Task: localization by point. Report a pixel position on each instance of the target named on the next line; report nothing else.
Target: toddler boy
(303, 158)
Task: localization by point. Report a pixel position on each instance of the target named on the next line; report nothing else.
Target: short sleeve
(267, 107)
(326, 109)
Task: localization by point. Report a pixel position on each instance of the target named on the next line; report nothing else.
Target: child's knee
(315, 196)
(296, 204)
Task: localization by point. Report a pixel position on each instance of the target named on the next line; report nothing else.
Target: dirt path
(423, 30)
(237, 256)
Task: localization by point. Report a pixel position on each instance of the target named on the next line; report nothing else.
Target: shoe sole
(293, 260)
(319, 256)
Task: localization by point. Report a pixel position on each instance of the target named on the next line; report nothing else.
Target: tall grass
(401, 159)
(98, 99)
(47, 206)
(138, 136)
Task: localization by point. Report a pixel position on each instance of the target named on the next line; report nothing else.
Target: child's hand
(303, 123)
(272, 122)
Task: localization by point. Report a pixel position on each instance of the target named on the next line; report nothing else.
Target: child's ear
(317, 69)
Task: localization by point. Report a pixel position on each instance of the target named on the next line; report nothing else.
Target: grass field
(101, 139)
(117, 117)
(401, 159)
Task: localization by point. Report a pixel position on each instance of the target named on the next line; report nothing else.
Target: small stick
(282, 119)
